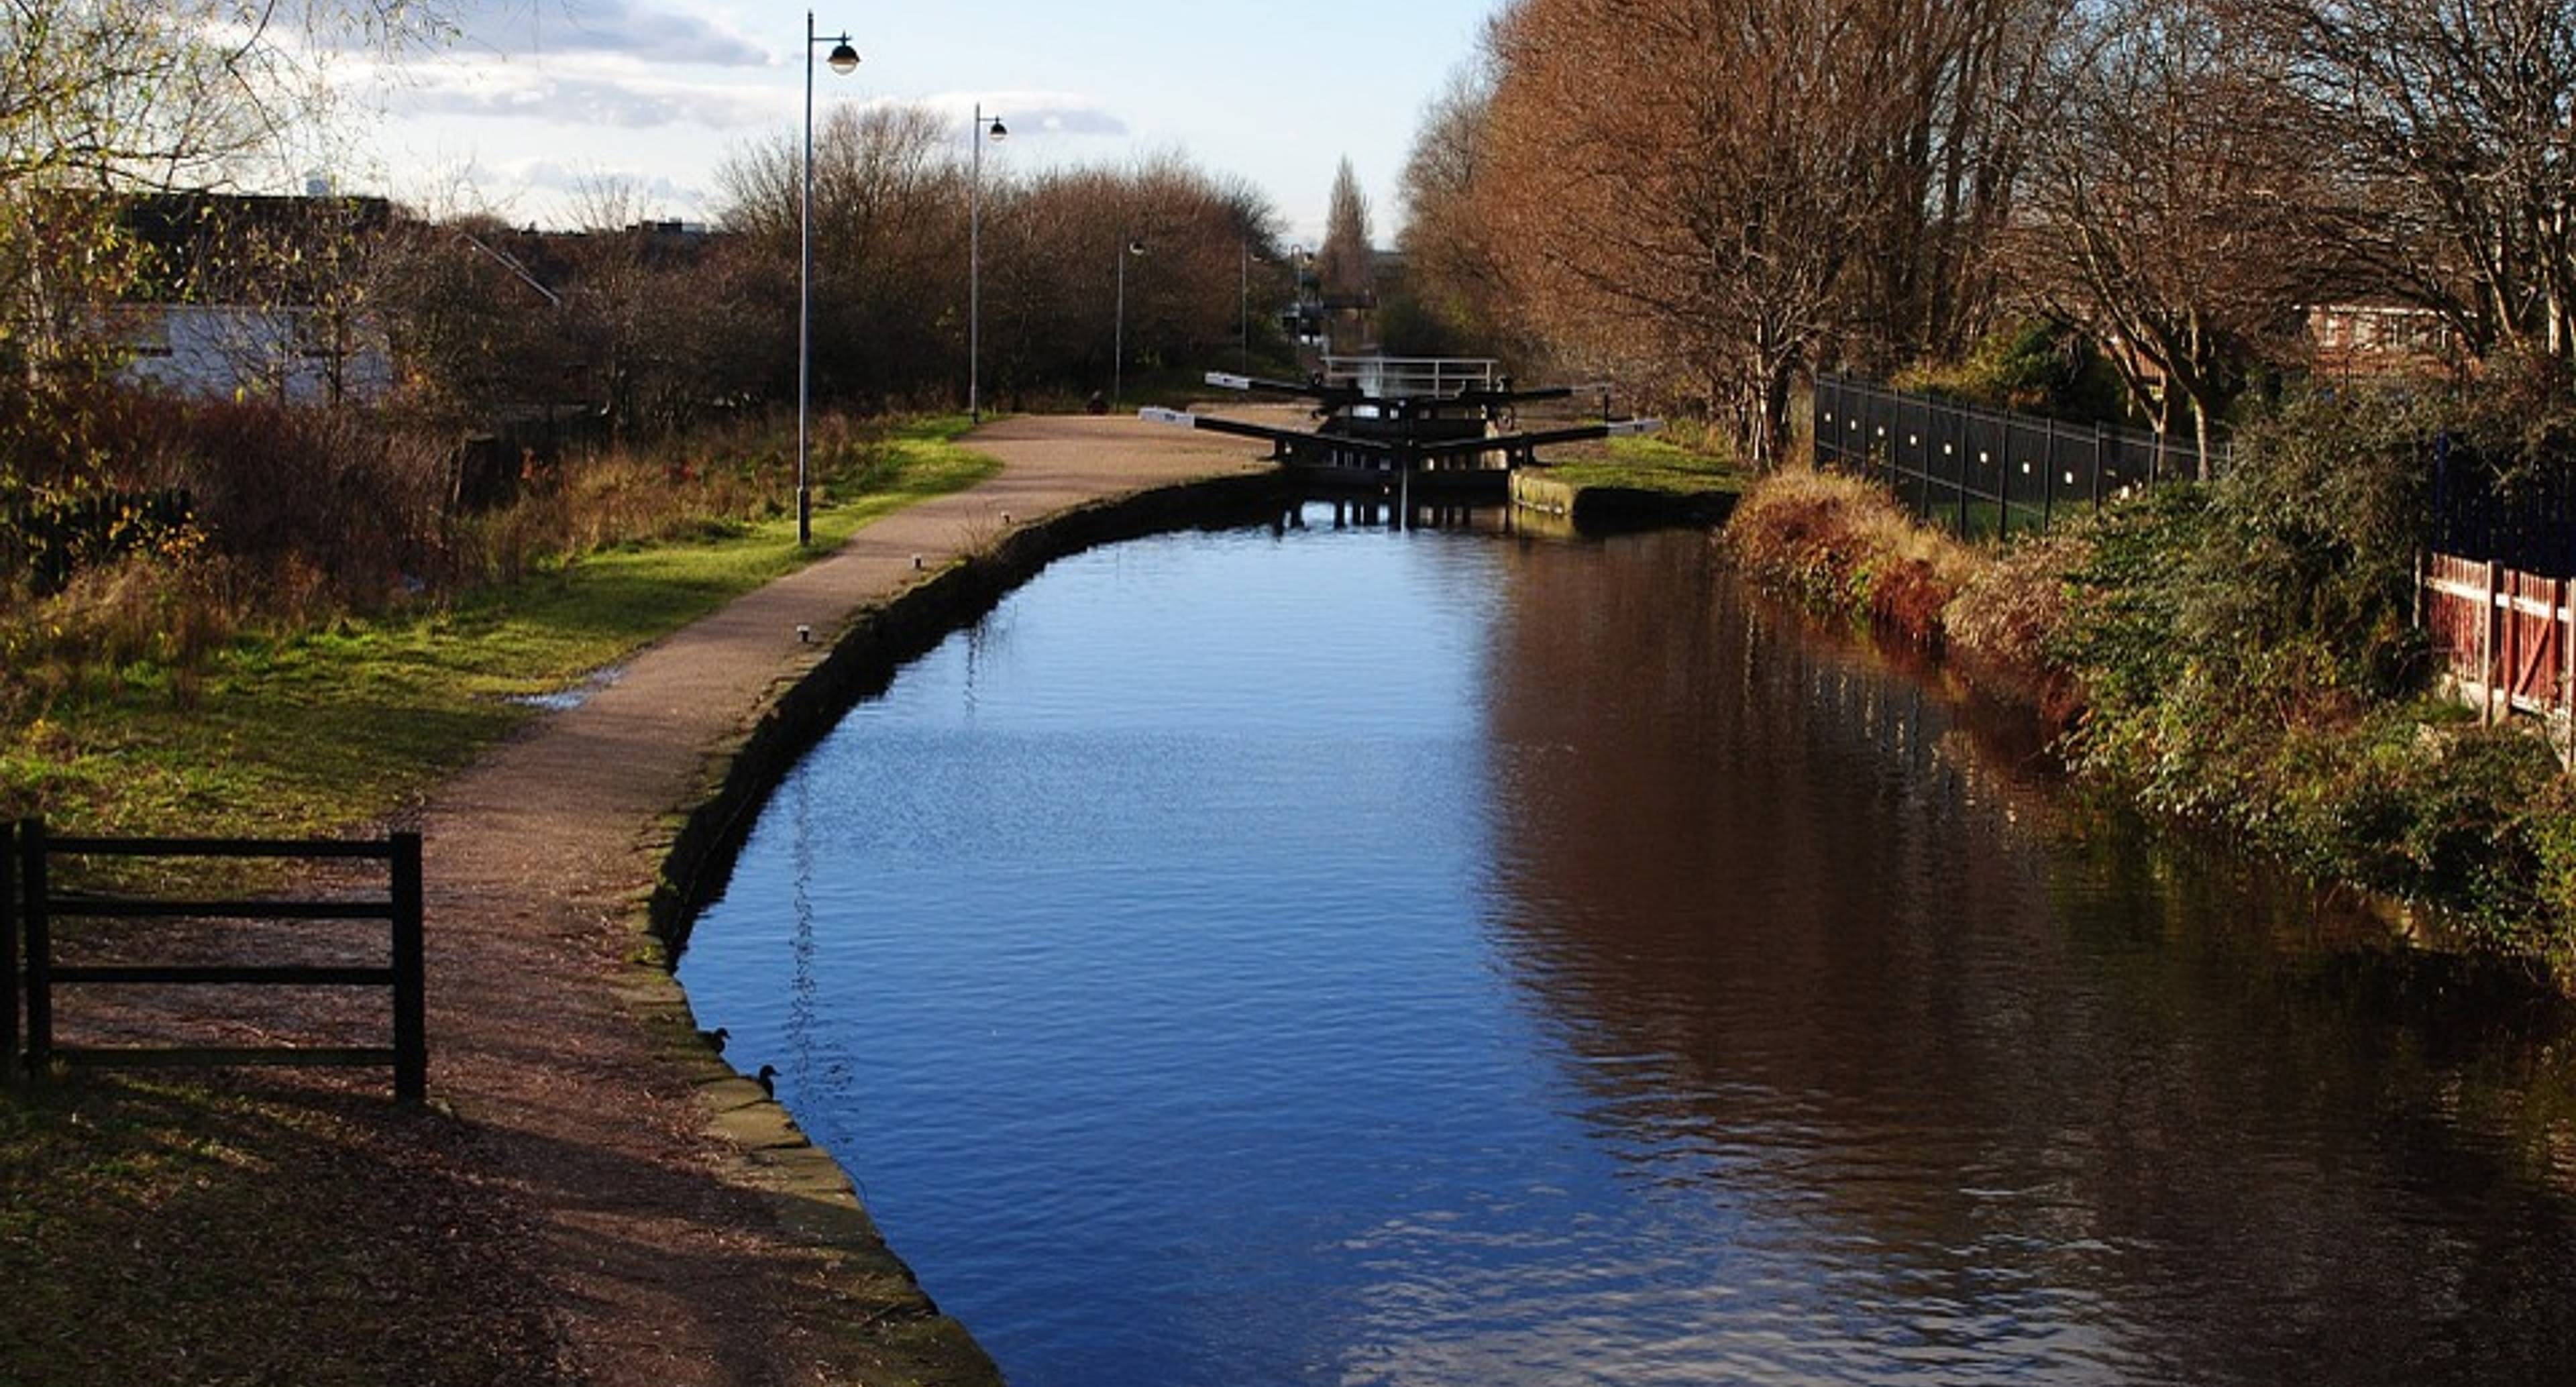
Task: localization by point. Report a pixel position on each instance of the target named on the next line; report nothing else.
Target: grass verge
(1645, 463)
(317, 731)
(211, 1230)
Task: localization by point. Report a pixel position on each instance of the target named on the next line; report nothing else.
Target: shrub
(1841, 544)
(2244, 656)
(2013, 609)
(2323, 515)
(287, 495)
(150, 614)
(2042, 366)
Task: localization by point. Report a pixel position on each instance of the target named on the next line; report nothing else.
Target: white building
(298, 356)
(255, 297)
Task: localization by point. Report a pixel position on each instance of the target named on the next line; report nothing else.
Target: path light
(844, 60)
(1118, 347)
(996, 133)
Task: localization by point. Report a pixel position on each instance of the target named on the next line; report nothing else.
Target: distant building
(2379, 338)
(255, 296)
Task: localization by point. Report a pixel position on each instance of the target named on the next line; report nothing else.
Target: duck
(767, 1078)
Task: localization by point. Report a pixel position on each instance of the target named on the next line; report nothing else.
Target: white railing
(1411, 377)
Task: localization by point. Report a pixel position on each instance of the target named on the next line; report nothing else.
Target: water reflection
(1335, 954)
(2015, 1104)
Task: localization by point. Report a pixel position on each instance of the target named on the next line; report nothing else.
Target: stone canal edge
(687, 1231)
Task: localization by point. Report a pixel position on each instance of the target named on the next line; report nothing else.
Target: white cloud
(576, 93)
(644, 30)
(1030, 113)
(569, 185)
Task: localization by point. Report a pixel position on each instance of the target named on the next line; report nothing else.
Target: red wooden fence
(2507, 638)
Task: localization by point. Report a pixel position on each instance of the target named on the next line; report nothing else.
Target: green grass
(337, 727)
(1649, 463)
(158, 1230)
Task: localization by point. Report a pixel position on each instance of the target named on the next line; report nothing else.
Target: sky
(527, 101)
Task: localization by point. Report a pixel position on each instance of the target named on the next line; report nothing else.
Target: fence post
(2054, 459)
(2562, 624)
(2423, 580)
(411, 1028)
(40, 949)
(2487, 646)
(1966, 474)
(9, 1070)
(2098, 469)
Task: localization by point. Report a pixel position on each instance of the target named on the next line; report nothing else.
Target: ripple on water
(1350, 957)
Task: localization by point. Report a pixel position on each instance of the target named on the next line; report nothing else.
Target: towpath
(683, 1232)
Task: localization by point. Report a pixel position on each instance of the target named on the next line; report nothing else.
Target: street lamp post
(1243, 313)
(1297, 258)
(843, 59)
(975, 264)
(1118, 347)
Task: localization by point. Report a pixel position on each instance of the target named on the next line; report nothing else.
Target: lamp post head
(843, 59)
(999, 132)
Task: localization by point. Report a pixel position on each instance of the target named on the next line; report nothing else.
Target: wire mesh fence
(1985, 473)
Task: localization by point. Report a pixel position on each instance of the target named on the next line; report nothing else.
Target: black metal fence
(32, 971)
(1988, 473)
(2525, 522)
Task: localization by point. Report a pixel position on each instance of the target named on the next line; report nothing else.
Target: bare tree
(477, 331)
(2171, 205)
(114, 96)
(666, 325)
(889, 246)
(1679, 187)
(1345, 263)
(1453, 275)
(1979, 83)
(2452, 124)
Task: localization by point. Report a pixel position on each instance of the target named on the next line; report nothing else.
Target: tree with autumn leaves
(1708, 199)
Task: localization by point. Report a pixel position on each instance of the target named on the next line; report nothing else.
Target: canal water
(1347, 956)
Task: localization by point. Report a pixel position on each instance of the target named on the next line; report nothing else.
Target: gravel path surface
(683, 1231)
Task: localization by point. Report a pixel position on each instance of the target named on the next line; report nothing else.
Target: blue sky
(531, 98)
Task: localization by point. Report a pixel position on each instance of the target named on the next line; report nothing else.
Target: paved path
(677, 1258)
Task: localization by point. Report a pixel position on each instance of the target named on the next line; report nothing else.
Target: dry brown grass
(2014, 603)
(164, 612)
(1841, 544)
(303, 517)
